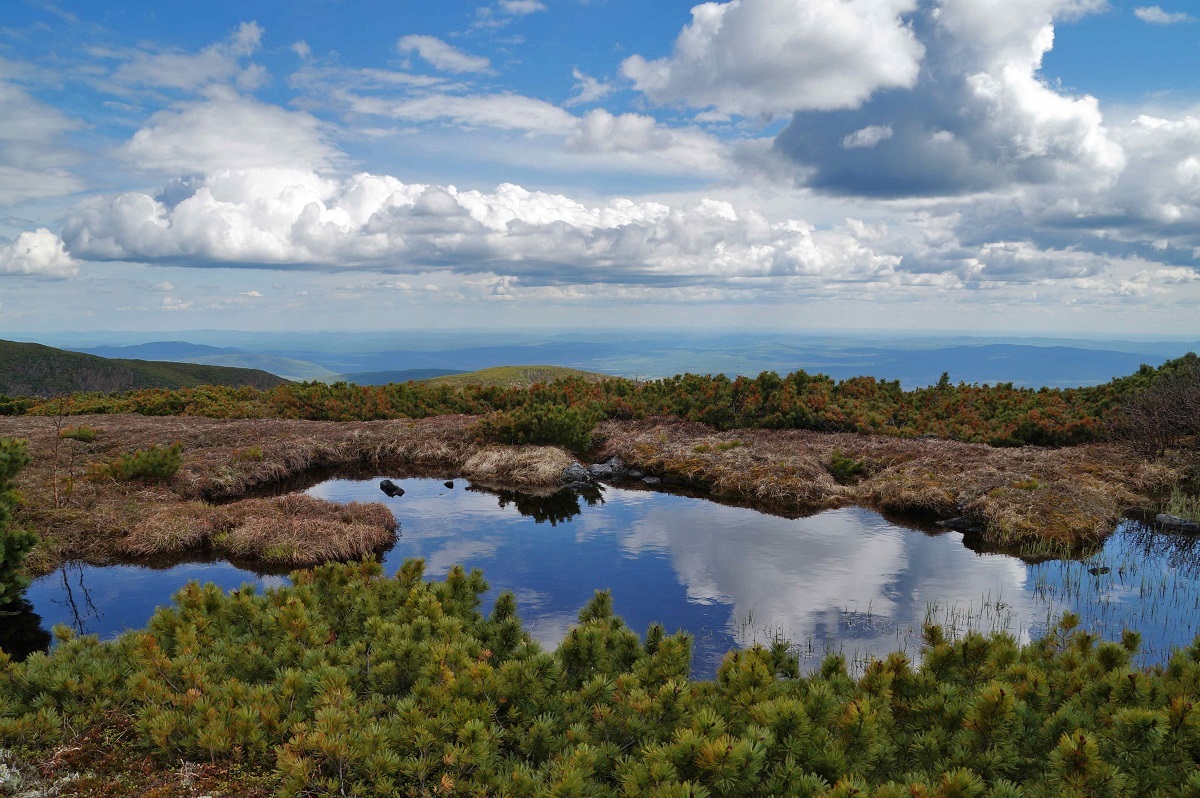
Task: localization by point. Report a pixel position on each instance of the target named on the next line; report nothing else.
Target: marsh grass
(1183, 502)
(1078, 495)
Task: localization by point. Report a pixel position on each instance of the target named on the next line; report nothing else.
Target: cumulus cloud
(753, 57)
(38, 253)
(378, 222)
(1156, 16)
(217, 63)
(979, 117)
(441, 55)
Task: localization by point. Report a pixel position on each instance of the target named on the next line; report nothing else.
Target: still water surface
(847, 580)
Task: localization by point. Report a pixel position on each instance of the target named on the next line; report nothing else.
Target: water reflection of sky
(845, 579)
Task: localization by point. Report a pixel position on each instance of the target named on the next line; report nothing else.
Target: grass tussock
(1067, 496)
(292, 530)
(517, 465)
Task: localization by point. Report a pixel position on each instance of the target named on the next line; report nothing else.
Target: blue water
(846, 580)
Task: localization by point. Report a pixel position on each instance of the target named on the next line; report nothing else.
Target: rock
(448, 484)
(575, 474)
(1104, 569)
(651, 480)
(391, 488)
(600, 471)
(960, 524)
(633, 473)
(1174, 523)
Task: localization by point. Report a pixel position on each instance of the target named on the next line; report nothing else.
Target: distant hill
(515, 376)
(36, 370)
(401, 375)
(185, 352)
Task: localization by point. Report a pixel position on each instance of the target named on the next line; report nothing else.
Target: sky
(970, 165)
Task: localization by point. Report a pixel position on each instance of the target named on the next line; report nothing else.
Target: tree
(1166, 412)
(14, 543)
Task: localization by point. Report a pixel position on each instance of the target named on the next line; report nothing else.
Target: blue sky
(974, 165)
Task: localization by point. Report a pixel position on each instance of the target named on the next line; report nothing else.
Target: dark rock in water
(1104, 569)
(391, 488)
(448, 483)
(576, 474)
(651, 480)
(635, 474)
(960, 524)
(1173, 523)
(612, 468)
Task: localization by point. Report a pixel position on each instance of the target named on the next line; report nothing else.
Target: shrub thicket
(14, 543)
(348, 683)
(156, 464)
(999, 414)
(543, 424)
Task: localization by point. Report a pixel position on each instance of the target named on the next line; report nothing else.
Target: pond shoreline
(1030, 497)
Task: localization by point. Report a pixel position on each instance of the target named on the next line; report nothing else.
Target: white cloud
(441, 55)
(867, 137)
(521, 7)
(39, 253)
(228, 130)
(1156, 16)
(770, 57)
(979, 118)
(380, 223)
(217, 63)
(33, 161)
(501, 111)
(600, 131)
(588, 89)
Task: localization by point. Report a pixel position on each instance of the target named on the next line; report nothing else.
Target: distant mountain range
(184, 352)
(36, 370)
(914, 360)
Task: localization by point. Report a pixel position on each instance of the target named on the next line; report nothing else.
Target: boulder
(1173, 523)
(651, 480)
(575, 474)
(391, 488)
(448, 484)
(633, 473)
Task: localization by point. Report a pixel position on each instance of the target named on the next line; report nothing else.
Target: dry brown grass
(517, 466)
(227, 460)
(1019, 495)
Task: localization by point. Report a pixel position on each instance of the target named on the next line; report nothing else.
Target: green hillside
(399, 375)
(36, 370)
(516, 376)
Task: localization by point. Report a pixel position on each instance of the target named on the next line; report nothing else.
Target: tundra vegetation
(351, 683)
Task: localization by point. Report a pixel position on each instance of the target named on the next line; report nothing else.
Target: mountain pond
(847, 580)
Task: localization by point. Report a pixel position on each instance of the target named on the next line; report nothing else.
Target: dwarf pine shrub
(156, 464)
(14, 543)
(844, 468)
(543, 424)
(350, 683)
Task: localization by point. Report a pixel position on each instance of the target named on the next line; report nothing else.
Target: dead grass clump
(518, 465)
(301, 530)
(171, 530)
